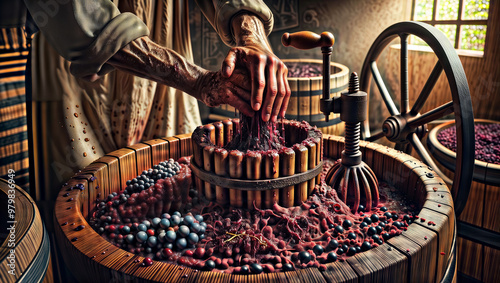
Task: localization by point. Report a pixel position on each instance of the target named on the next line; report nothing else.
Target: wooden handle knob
(307, 39)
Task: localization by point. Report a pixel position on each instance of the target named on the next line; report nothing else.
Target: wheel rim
(406, 125)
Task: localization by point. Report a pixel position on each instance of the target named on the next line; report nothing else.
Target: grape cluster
(165, 169)
(158, 237)
(487, 141)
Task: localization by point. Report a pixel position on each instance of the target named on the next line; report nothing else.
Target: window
(463, 21)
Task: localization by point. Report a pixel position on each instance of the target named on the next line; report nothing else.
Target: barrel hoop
(478, 235)
(306, 93)
(256, 185)
(37, 269)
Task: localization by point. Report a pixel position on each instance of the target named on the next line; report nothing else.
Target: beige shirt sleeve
(86, 32)
(220, 13)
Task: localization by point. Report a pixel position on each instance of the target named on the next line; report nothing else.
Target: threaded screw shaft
(353, 83)
(352, 129)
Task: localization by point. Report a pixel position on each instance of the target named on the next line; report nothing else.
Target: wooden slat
(160, 150)
(316, 84)
(420, 245)
(445, 236)
(99, 186)
(402, 171)
(308, 275)
(312, 149)
(304, 101)
(271, 171)
(185, 146)
(253, 165)
(128, 165)
(491, 214)
(335, 145)
(414, 191)
(369, 156)
(143, 156)
(340, 272)
(470, 258)
(84, 199)
(301, 165)
(210, 277)
(293, 103)
(378, 159)
(391, 163)
(221, 161)
(287, 168)
(380, 265)
(490, 268)
(113, 173)
(236, 160)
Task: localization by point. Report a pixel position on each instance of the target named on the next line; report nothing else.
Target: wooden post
(209, 131)
(219, 134)
(301, 163)
(271, 165)
(220, 163)
(208, 164)
(228, 131)
(254, 172)
(312, 149)
(287, 164)
(236, 171)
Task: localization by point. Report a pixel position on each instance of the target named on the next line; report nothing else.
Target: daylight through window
(463, 21)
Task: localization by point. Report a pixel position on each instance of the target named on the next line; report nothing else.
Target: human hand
(270, 91)
(268, 77)
(216, 88)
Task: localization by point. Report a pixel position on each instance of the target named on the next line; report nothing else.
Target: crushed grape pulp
(241, 241)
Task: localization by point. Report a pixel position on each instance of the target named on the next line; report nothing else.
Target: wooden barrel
(420, 254)
(25, 244)
(478, 226)
(305, 98)
(256, 178)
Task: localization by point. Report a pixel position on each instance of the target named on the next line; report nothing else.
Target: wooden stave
(430, 202)
(32, 244)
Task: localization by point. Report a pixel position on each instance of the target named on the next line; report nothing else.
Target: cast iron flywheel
(407, 125)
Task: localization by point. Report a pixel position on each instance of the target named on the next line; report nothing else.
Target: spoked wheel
(406, 125)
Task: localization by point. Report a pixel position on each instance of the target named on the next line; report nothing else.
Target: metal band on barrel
(256, 185)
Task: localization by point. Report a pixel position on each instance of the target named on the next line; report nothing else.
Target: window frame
(459, 22)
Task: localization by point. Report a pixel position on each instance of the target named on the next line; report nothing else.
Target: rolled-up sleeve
(87, 33)
(220, 13)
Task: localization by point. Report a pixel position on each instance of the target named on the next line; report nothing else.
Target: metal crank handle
(307, 39)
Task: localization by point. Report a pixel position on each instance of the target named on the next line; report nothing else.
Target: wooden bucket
(420, 254)
(29, 259)
(478, 226)
(305, 97)
(256, 178)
